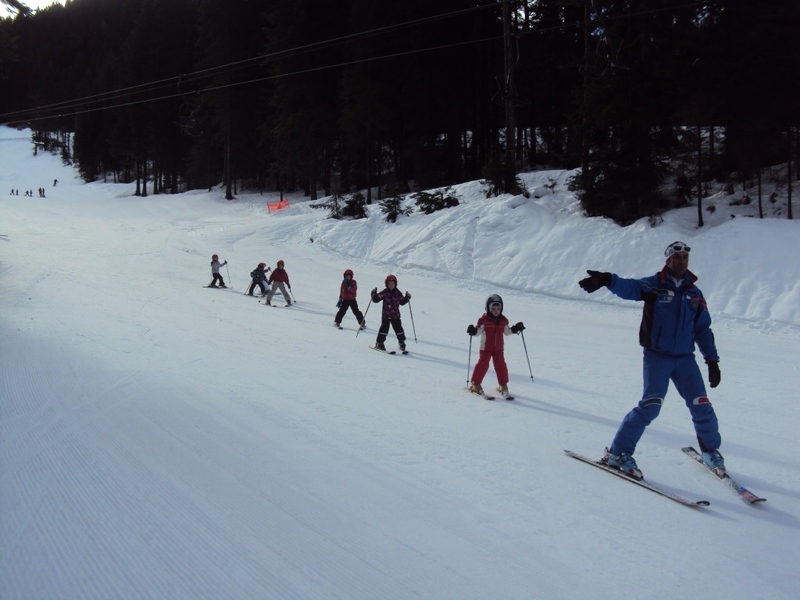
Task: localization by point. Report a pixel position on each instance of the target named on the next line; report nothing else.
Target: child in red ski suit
(347, 299)
(492, 325)
(279, 280)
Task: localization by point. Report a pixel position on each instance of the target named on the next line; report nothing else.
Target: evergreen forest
(649, 100)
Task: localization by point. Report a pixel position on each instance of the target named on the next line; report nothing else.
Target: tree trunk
(789, 172)
(699, 176)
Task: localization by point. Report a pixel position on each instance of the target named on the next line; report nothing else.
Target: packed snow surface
(162, 440)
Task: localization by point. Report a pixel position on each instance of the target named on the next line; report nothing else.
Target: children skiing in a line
(392, 299)
(279, 280)
(492, 326)
(347, 299)
(215, 274)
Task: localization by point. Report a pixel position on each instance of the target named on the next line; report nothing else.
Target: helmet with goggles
(676, 247)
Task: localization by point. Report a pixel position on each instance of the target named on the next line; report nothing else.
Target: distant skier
(674, 318)
(347, 299)
(492, 326)
(279, 280)
(55, 182)
(215, 275)
(392, 299)
(259, 276)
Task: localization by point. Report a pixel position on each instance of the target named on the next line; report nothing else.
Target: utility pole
(510, 89)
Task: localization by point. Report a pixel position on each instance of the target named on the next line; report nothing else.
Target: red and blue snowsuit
(674, 318)
(492, 331)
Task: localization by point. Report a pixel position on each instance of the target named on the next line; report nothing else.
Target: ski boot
(503, 389)
(624, 462)
(714, 461)
(475, 388)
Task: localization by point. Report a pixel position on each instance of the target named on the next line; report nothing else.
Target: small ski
(383, 351)
(338, 326)
(640, 482)
(403, 351)
(746, 495)
(481, 395)
(505, 395)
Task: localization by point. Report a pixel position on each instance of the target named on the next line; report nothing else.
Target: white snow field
(161, 440)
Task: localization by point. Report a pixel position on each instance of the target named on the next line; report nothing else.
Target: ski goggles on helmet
(676, 247)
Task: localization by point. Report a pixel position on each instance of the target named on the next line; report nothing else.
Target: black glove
(714, 376)
(374, 291)
(472, 330)
(289, 285)
(517, 328)
(339, 303)
(408, 295)
(595, 281)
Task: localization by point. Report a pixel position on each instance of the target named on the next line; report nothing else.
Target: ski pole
(524, 345)
(469, 359)
(413, 328)
(365, 315)
(229, 274)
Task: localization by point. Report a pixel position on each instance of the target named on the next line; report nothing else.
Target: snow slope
(161, 440)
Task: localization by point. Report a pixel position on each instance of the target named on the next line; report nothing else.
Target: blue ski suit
(674, 318)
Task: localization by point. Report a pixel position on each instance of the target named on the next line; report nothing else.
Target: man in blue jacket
(674, 318)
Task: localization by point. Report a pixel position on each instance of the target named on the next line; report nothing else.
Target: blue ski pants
(658, 370)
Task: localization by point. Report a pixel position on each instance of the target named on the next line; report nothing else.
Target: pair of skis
(743, 493)
(391, 352)
(485, 396)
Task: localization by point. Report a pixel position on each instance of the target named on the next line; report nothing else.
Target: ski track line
(309, 534)
(101, 523)
(206, 528)
(414, 473)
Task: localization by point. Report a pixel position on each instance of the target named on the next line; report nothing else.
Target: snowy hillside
(161, 440)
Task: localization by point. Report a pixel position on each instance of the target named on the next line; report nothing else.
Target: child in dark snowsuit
(347, 299)
(392, 299)
(259, 276)
(492, 325)
(215, 275)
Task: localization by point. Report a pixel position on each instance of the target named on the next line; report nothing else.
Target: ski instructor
(674, 319)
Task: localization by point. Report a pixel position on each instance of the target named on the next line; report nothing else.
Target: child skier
(347, 299)
(392, 299)
(278, 278)
(259, 275)
(215, 275)
(492, 325)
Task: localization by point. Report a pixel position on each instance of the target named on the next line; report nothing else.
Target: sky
(36, 4)
(163, 440)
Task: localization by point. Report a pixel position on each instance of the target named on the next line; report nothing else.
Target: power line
(69, 107)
